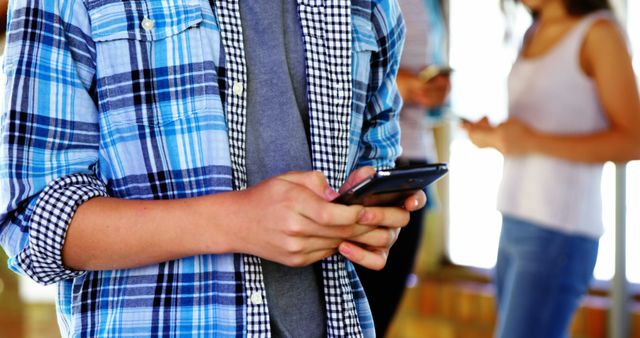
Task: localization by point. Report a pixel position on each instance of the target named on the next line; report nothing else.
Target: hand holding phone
(432, 71)
(392, 187)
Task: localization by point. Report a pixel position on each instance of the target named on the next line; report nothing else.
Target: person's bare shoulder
(605, 34)
(605, 42)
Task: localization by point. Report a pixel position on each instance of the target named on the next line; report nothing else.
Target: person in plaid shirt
(170, 164)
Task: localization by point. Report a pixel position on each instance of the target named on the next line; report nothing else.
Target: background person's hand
(432, 93)
(416, 91)
(481, 133)
(512, 137)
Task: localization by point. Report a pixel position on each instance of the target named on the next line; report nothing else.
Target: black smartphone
(392, 187)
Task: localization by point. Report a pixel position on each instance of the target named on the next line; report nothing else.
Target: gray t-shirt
(276, 143)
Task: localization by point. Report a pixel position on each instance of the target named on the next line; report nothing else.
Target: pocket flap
(142, 20)
(364, 38)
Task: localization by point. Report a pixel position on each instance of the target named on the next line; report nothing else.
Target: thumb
(357, 176)
(312, 180)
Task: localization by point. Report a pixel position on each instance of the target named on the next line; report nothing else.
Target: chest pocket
(364, 38)
(149, 58)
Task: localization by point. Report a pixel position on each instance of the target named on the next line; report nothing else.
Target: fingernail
(364, 216)
(330, 194)
(345, 249)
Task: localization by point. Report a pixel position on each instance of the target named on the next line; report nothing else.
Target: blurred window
(482, 54)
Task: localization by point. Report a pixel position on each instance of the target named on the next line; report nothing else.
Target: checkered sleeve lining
(41, 259)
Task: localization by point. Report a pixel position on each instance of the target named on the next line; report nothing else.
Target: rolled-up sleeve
(49, 133)
(380, 142)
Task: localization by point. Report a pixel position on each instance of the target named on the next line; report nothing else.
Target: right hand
(371, 249)
(481, 133)
(428, 94)
(432, 93)
(289, 219)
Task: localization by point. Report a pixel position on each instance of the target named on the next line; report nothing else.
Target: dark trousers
(385, 288)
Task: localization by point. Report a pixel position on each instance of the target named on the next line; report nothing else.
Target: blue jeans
(541, 275)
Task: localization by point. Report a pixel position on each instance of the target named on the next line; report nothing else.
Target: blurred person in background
(425, 46)
(573, 105)
(3, 15)
(3, 22)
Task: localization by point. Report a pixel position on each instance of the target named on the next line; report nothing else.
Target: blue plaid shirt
(145, 100)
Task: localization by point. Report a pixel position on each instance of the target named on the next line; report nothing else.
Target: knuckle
(318, 178)
(394, 236)
(292, 228)
(405, 218)
(296, 261)
(390, 237)
(378, 265)
(349, 232)
(294, 247)
(323, 216)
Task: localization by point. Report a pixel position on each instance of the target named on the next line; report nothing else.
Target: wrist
(531, 142)
(212, 224)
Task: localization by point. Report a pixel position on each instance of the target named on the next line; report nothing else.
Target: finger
(381, 237)
(384, 216)
(341, 232)
(357, 176)
(312, 180)
(484, 121)
(307, 259)
(374, 258)
(306, 245)
(416, 201)
(321, 212)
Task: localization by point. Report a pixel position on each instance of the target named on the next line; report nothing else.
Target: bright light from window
(482, 61)
(633, 169)
(606, 250)
(475, 222)
(633, 29)
(605, 265)
(633, 221)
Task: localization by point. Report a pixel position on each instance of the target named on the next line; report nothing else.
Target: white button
(147, 24)
(238, 88)
(256, 298)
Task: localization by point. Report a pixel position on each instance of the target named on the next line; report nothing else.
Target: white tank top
(552, 94)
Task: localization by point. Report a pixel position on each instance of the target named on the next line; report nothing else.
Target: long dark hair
(579, 7)
(584, 7)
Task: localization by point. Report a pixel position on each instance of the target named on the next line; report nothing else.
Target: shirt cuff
(41, 259)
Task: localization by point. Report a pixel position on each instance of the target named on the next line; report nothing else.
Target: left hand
(372, 248)
(514, 138)
(432, 93)
(511, 138)
(414, 90)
